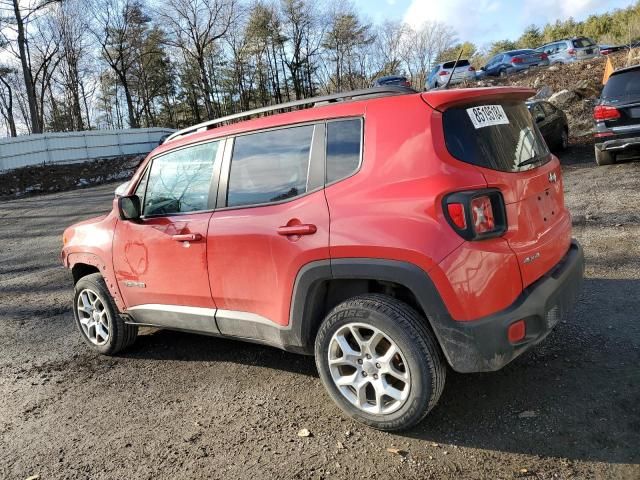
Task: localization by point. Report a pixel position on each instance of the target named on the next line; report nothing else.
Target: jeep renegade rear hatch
(492, 130)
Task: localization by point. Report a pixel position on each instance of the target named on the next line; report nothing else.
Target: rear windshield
(461, 63)
(582, 43)
(622, 87)
(520, 52)
(497, 136)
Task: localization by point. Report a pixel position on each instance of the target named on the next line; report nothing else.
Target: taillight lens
(605, 112)
(516, 60)
(472, 69)
(406, 83)
(482, 215)
(443, 73)
(476, 214)
(544, 56)
(571, 51)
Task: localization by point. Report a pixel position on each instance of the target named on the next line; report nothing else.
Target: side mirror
(122, 189)
(129, 207)
(539, 118)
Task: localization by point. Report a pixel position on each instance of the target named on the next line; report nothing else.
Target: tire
(604, 158)
(419, 362)
(97, 318)
(502, 73)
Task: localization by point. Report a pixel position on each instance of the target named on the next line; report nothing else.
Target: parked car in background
(552, 123)
(390, 233)
(617, 116)
(441, 73)
(513, 61)
(388, 80)
(570, 50)
(607, 49)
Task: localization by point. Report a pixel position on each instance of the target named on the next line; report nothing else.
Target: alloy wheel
(93, 317)
(369, 369)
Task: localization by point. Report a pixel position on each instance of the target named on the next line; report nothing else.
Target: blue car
(513, 61)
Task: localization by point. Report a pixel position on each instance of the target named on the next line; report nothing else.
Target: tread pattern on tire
(124, 334)
(408, 319)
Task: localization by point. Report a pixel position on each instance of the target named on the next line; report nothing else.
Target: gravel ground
(184, 406)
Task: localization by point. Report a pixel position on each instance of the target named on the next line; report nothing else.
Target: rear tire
(97, 318)
(502, 73)
(379, 362)
(604, 158)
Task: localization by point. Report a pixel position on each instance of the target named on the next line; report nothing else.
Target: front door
(161, 261)
(274, 219)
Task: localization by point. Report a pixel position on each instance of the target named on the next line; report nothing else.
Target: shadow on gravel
(573, 396)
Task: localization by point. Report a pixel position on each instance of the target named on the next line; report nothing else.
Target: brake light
(516, 60)
(406, 83)
(477, 214)
(443, 73)
(471, 69)
(544, 56)
(456, 213)
(605, 112)
(517, 331)
(571, 51)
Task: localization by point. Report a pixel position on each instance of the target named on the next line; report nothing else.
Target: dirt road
(184, 406)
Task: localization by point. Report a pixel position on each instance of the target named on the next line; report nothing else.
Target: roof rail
(313, 101)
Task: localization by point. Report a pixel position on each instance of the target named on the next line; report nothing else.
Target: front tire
(604, 158)
(97, 318)
(380, 362)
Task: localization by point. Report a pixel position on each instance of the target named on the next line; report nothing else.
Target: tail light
(516, 60)
(471, 69)
(544, 56)
(406, 83)
(605, 112)
(443, 73)
(477, 214)
(571, 51)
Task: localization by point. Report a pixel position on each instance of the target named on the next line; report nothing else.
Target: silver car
(441, 72)
(570, 50)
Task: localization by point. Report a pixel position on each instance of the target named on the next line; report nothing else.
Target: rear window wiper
(536, 159)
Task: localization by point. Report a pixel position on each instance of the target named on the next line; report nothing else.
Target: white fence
(69, 147)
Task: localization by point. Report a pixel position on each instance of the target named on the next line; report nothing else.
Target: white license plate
(487, 115)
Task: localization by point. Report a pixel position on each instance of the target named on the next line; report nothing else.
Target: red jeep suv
(389, 233)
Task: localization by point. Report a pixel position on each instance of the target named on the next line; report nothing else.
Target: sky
(485, 21)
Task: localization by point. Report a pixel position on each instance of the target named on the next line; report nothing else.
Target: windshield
(496, 135)
(622, 87)
(582, 43)
(461, 63)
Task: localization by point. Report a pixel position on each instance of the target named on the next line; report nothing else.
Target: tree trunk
(8, 109)
(26, 71)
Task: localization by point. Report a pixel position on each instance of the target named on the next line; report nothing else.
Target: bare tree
(6, 99)
(195, 26)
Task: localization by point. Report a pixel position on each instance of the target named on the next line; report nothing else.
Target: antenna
(454, 68)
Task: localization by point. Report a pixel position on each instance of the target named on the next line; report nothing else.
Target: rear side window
(269, 166)
(180, 181)
(461, 63)
(500, 137)
(344, 141)
(622, 86)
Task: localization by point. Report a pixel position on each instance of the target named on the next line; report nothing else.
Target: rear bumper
(482, 345)
(618, 144)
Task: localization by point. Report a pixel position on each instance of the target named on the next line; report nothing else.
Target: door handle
(187, 237)
(302, 229)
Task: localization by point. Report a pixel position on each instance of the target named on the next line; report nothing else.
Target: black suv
(617, 116)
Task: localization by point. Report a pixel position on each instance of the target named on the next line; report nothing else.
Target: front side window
(269, 166)
(180, 181)
(344, 139)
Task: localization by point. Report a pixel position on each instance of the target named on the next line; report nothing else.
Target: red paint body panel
(252, 268)
(174, 272)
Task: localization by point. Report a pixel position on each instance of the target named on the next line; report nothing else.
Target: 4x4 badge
(552, 177)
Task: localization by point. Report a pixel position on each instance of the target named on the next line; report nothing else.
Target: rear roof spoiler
(442, 99)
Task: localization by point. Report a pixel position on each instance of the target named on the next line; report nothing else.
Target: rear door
(622, 91)
(272, 219)
(509, 151)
